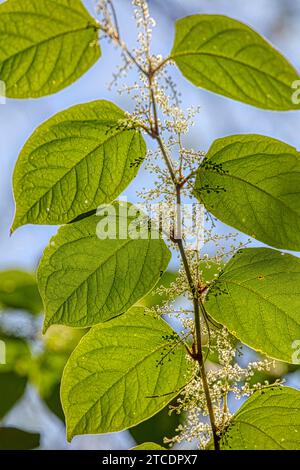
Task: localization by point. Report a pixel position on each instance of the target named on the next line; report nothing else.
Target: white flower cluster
(159, 114)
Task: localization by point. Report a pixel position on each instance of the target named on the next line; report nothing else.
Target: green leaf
(85, 280)
(257, 297)
(75, 161)
(148, 446)
(229, 58)
(268, 420)
(45, 45)
(252, 183)
(12, 387)
(19, 290)
(121, 373)
(210, 270)
(15, 439)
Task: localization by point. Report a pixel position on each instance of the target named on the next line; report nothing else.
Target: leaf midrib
(128, 371)
(234, 61)
(257, 189)
(51, 38)
(104, 142)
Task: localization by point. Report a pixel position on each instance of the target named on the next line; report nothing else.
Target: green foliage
(161, 425)
(257, 297)
(15, 439)
(14, 373)
(45, 45)
(75, 161)
(18, 290)
(252, 183)
(84, 280)
(12, 387)
(149, 446)
(17, 355)
(229, 58)
(122, 372)
(131, 364)
(210, 270)
(268, 420)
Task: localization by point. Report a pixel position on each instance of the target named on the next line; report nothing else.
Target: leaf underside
(74, 162)
(252, 183)
(45, 45)
(227, 57)
(84, 280)
(257, 297)
(268, 420)
(122, 372)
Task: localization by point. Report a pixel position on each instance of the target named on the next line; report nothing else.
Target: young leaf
(45, 45)
(19, 290)
(85, 280)
(121, 373)
(75, 161)
(229, 58)
(268, 420)
(148, 446)
(257, 297)
(252, 183)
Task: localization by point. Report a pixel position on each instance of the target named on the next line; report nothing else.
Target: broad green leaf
(148, 446)
(75, 161)
(45, 45)
(268, 420)
(12, 387)
(229, 58)
(121, 373)
(19, 290)
(84, 280)
(16, 439)
(257, 297)
(252, 183)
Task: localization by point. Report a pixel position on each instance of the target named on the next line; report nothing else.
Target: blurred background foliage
(30, 411)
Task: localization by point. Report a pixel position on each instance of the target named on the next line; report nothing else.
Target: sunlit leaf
(85, 280)
(45, 45)
(252, 183)
(229, 58)
(269, 420)
(74, 162)
(121, 373)
(257, 297)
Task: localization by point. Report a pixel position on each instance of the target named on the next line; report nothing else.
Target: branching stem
(154, 132)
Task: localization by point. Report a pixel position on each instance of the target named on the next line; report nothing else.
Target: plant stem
(154, 132)
(197, 302)
(199, 356)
